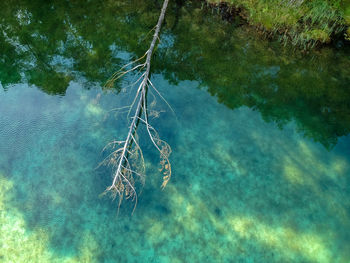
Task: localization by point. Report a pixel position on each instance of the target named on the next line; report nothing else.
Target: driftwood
(126, 158)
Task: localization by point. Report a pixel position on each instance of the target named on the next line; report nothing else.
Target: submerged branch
(123, 183)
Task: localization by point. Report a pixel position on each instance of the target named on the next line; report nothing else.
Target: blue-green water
(261, 151)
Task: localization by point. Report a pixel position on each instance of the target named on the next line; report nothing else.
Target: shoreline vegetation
(303, 23)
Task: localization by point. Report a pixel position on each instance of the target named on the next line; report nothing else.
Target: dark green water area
(260, 138)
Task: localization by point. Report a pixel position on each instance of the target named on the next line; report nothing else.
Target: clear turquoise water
(261, 156)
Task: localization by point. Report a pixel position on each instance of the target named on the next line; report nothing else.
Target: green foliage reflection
(49, 44)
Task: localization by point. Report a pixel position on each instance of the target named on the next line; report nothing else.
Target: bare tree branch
(128, 160)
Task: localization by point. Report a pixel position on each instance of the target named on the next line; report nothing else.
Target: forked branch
(126, 158)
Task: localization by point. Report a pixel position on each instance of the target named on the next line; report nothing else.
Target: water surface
(261, 151)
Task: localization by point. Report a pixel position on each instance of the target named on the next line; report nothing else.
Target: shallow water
(261, 156)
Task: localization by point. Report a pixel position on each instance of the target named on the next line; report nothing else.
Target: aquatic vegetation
(303, 23)
(17, 243)
(285, 239)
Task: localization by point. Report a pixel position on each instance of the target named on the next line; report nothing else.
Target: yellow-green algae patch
(20, 245)
(17, 243)
(296, 172)
(284, 239)
(93, 109)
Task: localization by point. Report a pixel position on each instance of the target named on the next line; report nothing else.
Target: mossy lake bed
(260, 139)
